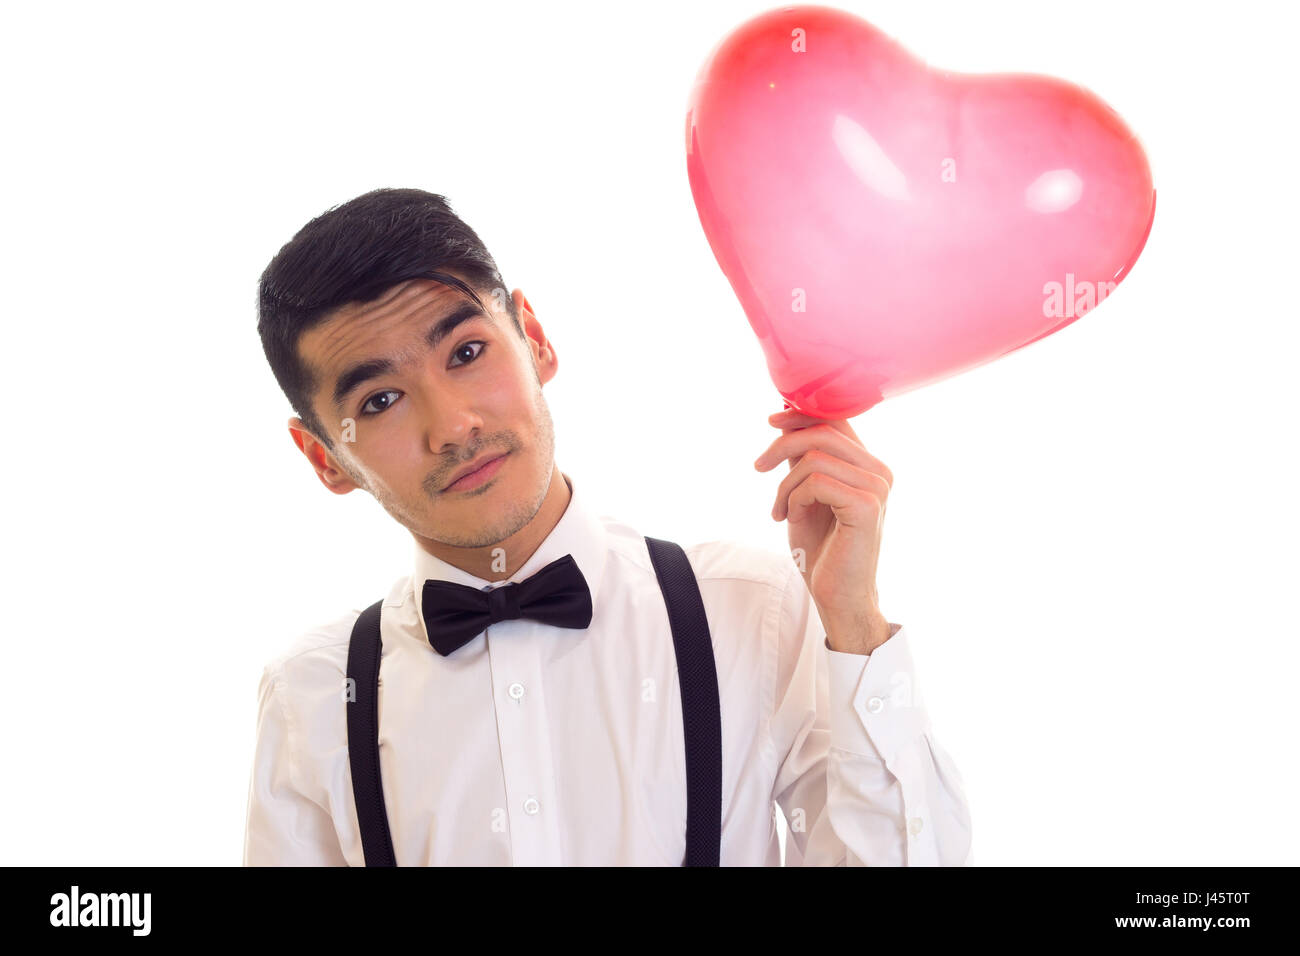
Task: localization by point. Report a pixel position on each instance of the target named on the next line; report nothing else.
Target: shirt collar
(579, 532)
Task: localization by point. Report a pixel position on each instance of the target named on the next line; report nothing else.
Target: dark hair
(354, 253)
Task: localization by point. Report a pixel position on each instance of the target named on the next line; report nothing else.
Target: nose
(450, 420)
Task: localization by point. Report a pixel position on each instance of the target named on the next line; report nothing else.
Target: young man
(536, 701)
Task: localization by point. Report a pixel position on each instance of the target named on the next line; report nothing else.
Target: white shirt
(542, 745)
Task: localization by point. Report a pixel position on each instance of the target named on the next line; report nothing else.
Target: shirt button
(914, 826)
(531, 806)
(516, 690)
(875, 705)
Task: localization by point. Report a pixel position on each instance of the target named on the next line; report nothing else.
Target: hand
(833, 500)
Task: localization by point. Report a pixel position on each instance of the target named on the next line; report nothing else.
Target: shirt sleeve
(284, 827)
(861, 779)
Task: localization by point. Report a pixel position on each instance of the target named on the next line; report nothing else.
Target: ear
(544, 356)
(327, 468)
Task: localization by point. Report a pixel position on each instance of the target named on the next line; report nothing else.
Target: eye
(367, 409)
(472, 357)
(387, 391)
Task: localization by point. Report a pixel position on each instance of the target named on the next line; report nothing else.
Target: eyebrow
(359, 373)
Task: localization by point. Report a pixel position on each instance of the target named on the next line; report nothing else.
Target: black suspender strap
(701, 710)
(701, 715)
(363, 737)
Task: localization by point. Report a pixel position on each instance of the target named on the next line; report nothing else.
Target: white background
(1092, 540)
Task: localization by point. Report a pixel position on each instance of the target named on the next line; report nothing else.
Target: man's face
(475, 394)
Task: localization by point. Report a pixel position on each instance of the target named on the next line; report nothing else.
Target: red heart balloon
(885, 224)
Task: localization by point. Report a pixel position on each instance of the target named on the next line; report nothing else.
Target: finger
(790, 419)
(793, 444)
(853, 507)
(818, 462)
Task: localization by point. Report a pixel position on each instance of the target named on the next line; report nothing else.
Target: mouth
(481, 474)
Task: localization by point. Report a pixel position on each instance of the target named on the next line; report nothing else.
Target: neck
(519, 547)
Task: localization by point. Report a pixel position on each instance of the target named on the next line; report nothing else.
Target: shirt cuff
(875, 707)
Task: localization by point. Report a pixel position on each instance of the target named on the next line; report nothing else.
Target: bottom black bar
(240, 904)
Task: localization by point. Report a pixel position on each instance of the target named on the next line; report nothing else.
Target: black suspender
(701, 711)
(701, 715)
(363, 737)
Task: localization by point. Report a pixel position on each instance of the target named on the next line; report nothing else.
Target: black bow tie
(455, 614)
